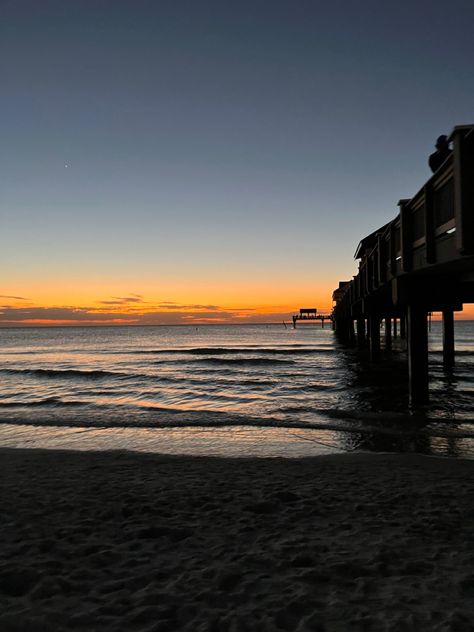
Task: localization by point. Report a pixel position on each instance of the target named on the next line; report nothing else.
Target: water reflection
(389, 425)
(137, 383)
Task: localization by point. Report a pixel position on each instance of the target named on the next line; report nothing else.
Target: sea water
(264, 389)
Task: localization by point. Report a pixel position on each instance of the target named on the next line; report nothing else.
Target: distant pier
(310, 313)
(420, 262)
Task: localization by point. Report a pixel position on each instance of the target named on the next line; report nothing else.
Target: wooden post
(403, 332)
(392, 251)
(374, 336)
(351, 332)
(382, 249)
(429, 224)
(388, 333)
(406, 235)
(361, 332)
(417, 355)
(463, 160)
(448, 338)
(395, 332)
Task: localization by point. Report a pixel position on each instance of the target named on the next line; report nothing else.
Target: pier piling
(388, 333)
(448, 338)
(361, 338)
(374, 336)
(417, 355)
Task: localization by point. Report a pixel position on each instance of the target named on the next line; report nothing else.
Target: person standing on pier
(442, 152)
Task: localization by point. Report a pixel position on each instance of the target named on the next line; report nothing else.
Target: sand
(120, 541)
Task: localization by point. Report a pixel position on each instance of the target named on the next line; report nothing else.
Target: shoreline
(201, 441)
(237, 441)
(121, 540)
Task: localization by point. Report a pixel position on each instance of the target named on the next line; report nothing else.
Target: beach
(123, 541)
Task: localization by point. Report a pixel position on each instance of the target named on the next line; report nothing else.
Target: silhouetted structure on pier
(420, 262)
(310, 313)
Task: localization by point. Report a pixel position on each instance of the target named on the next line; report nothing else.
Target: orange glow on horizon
(165, 303)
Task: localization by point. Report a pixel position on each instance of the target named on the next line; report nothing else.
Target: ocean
(236, 390)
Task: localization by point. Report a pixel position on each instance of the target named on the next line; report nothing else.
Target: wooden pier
(309, 314)
(420, 262)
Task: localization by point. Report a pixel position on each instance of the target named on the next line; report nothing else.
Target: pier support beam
(417, 355)
(395, 332)
(388, 333)
(374, 336)
(448, 339)
(361, 338)
(403, 331)
(351, 332)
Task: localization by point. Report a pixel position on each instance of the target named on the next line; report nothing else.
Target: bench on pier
(309, 312)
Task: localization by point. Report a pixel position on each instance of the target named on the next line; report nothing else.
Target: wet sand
(122, 541)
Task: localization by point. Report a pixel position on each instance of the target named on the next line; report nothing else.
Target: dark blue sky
(196, 141)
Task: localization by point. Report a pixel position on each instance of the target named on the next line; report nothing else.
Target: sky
(174, 161)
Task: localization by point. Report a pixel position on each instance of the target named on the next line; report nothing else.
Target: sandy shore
(119, 541)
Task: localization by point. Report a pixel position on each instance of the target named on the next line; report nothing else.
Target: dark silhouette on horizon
(310, 313)
(442, 152)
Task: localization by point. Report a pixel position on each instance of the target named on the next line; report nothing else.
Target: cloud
(168, 305)
(123, 300)
(11, 316)
(212, 308)
(15, 298)
(31, 316)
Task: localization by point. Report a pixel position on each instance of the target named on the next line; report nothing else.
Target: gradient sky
(167, 161)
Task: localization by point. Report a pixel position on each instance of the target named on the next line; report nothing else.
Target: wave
(29, 353)
(458, 352)
(207, 420)
(242, 361)
(334, 420)
(64, 373)
(219, 379)
(48, 401)
(233, 350)
(457, 377)
(156, 379)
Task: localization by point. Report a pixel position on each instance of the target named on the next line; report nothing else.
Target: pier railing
(433, 228)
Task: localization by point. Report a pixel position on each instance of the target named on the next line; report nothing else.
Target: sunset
(73, 308)
(208, 155)
(236, 316)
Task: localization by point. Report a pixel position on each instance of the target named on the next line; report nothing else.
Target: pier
(420, 262)
(309, 314)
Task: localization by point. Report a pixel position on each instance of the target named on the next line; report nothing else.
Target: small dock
(307, 314)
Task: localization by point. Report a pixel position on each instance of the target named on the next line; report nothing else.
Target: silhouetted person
(442, 152)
